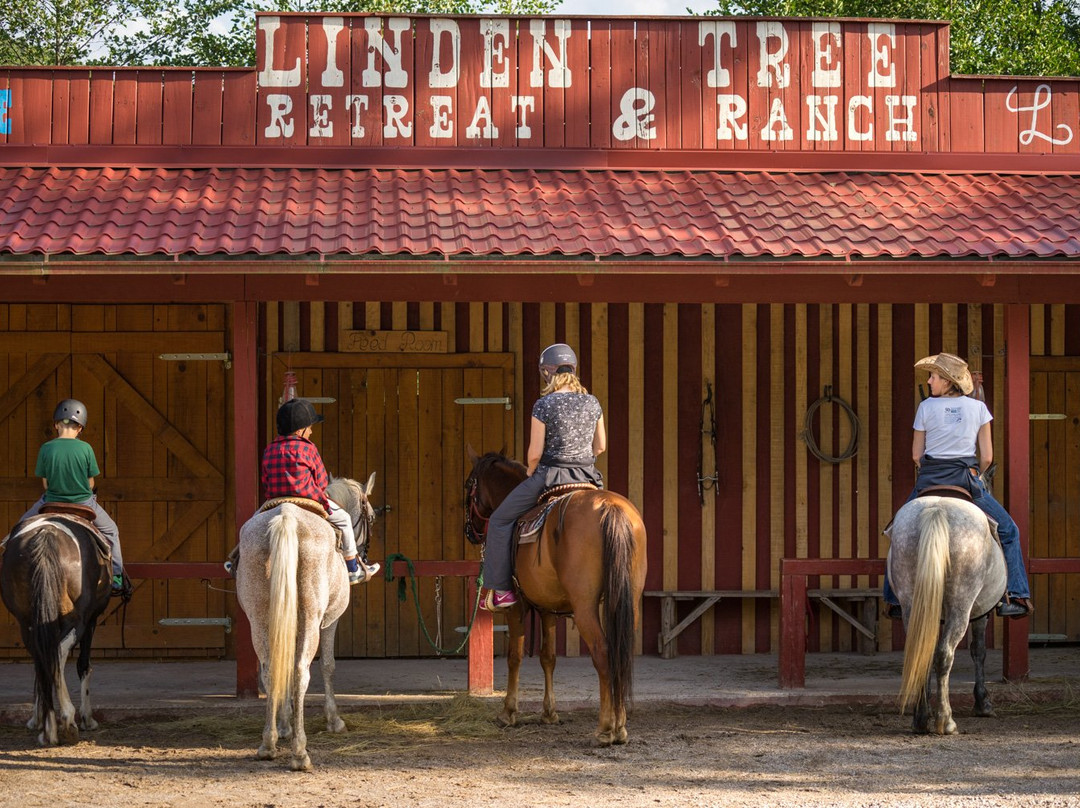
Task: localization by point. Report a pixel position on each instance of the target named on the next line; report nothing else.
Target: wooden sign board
(429, 342)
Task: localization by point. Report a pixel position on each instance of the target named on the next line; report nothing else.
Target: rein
(472, 514)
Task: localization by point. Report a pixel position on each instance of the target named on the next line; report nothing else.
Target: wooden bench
(795, 594)
(669, 630)
(705, 599)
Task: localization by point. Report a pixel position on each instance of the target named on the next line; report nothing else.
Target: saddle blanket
(58, 521)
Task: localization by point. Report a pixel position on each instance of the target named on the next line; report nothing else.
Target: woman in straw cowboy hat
(952, 445)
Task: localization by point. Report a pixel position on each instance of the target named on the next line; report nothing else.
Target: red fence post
(792, 628)
(245, 384)
(481, 651)
(1015, 664)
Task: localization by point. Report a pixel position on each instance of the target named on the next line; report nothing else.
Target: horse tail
(924, 621)
(618, 610)
(47, 583)
(284, 560)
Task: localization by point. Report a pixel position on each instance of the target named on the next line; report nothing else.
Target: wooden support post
(245, 388)
(669, 649)
(792, 629)
(1018, 455)
(481, 664)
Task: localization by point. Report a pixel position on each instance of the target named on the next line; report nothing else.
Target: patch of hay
(412, 726)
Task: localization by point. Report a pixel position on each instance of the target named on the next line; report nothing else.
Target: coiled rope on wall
(808, 428)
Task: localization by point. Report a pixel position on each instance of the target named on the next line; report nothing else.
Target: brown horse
(589, 562)
(55, 580)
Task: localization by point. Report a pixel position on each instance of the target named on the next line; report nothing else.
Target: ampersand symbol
(636, 105)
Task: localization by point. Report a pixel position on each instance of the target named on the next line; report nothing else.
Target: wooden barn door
(1055, 493)
(153, 379)
(408, 418)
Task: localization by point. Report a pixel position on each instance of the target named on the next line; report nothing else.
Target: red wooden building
(727, 217)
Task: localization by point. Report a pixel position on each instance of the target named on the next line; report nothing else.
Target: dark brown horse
(589, 562)
(55, 580)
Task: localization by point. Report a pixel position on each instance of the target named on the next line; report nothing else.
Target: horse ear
(473, 456)
(370, 485)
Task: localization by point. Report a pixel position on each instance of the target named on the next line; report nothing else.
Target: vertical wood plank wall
(649, 365)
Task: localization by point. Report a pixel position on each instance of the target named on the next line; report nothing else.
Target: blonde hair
(564, 379)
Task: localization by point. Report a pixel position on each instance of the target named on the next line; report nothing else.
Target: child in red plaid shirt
(292, 467)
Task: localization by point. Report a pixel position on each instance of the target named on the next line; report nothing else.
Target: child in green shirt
(67, 467)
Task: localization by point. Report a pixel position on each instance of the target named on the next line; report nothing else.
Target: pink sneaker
(496, 600)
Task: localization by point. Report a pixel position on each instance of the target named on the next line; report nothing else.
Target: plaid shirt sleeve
(292, 467)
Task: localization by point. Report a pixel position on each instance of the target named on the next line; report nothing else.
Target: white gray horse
(292, 585)
(948, 571)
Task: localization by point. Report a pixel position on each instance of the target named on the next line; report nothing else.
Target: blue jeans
(1016, 575)
(498, 550)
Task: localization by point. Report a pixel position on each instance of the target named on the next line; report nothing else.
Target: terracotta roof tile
(519, 212)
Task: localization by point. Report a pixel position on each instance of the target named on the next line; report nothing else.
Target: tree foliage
(182, 32)
(987, 37)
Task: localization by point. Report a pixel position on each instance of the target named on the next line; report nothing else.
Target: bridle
(472, 513)
(363, 521)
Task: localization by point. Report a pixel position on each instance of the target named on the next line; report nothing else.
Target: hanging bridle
(472, 513)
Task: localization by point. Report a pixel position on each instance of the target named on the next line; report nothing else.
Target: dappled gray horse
(292, 585)
(948, 571)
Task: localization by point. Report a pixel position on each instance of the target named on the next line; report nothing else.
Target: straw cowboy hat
(949, 367)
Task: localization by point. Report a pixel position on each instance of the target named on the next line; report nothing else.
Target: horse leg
(588, 623)
(951, 634)
(547, 662)
(301, 761)
(271, 729)
(327, 664)
(921, 716)
(82, 666)
(983, 707)
(66, 727)
(515, 650)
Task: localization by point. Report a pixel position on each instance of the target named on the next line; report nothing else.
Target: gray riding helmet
(557, 358)
(70, 409)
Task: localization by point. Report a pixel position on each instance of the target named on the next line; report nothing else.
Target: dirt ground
(451, 754)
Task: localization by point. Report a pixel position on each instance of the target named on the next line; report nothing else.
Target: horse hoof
(69, 734)
(33, 724)
(265, 753)
(301, 764)
(506, 720)
(549, 718)
(89, 725)
(621, 736)
(336, 726)
(604, 739)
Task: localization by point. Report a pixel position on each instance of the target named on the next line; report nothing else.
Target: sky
(635, 8)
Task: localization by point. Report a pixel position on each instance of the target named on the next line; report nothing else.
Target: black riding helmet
(70, 409)
(557, 358)
(294, 414)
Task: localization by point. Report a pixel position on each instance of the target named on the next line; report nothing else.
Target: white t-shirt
(951, 424)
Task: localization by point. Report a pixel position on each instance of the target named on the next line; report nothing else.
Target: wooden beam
(245, 470)
(43, 367)
(158, 424)
(1018, 451)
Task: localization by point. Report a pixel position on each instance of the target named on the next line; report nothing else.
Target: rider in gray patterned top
(566, 436)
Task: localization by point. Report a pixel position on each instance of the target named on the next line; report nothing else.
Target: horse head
(493, 476)
(354, 499)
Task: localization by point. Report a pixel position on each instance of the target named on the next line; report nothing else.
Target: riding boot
(1015, 607)
(122, 587)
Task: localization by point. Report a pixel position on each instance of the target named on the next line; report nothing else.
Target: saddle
(952, 491)
(72, 513)
(301, 502)
(309, 505)
(528, 527)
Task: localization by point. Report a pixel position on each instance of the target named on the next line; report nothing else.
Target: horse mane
(346, 493)
(495, 461)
